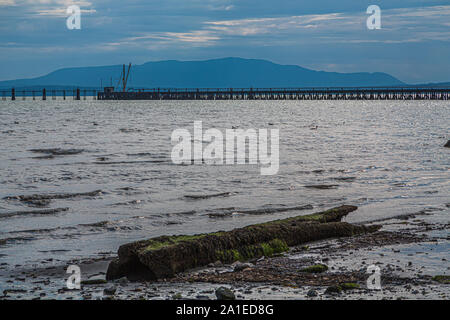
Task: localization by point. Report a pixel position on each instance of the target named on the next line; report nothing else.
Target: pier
(44, 94)
(354, 93)
(393, 93)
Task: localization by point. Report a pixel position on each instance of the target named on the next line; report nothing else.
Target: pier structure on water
(354, 93)
(44, 94)
(361, 93)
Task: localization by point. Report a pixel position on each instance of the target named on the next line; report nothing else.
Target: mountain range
(216, 73)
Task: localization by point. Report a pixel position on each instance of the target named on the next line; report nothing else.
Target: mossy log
(165, 256)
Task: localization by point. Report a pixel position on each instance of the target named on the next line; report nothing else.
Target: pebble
(110, 290)
(312, 293)
(223, 293)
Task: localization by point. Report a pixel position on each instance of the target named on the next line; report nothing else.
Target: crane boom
(126, 79)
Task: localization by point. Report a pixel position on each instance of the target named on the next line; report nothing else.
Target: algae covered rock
(223, 293)
(333, 290)
(165, 256)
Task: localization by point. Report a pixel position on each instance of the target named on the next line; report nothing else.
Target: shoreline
(409, 250)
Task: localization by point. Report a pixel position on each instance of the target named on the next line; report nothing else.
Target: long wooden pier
(44, 94)
(354, 93)
(392, 93)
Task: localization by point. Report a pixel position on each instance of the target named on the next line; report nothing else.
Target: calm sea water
(386, 157)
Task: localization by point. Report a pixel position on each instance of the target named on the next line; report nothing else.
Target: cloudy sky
(412, 45)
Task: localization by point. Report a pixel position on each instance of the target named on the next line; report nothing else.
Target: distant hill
(217, 73)
(434, 85)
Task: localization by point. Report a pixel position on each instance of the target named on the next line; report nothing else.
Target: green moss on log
(165, 256)
(245, 253)
(349, 286)
(158, 243)
(442, 279)
(317, 268)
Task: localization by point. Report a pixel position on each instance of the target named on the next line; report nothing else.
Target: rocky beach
(82, 182)
(410, 251)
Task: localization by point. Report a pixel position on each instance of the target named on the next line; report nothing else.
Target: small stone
(333, 290)
(110, 290)
(312, 293)
(218, 264)
(177, 296)
(123, 281)
(223, 293)
(239, 266)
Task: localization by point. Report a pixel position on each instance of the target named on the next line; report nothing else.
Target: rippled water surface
(387, 157)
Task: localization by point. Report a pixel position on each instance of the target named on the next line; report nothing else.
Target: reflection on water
(94, 175)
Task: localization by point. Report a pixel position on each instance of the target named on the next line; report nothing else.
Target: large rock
(165, 256)
(447, 145)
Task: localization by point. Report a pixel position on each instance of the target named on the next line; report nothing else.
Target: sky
(413, 43)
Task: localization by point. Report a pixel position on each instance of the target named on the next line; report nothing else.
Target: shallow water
(386, 157)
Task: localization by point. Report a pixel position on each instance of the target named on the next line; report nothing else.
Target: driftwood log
(163, 257)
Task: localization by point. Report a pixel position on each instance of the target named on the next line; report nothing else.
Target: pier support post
(13, 94)
(64, 94)
(78, 93)
(44, 94)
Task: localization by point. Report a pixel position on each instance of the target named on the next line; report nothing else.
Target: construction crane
(124, 78)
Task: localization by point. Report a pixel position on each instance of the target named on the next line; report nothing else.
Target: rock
(223, 293)
(165, 256)
(109, 291)
(199, 297)
(123, 281)
(239, 266)
(447, 145)
(333, 290)
(312, 293)
(177, 296)
(218, 264)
